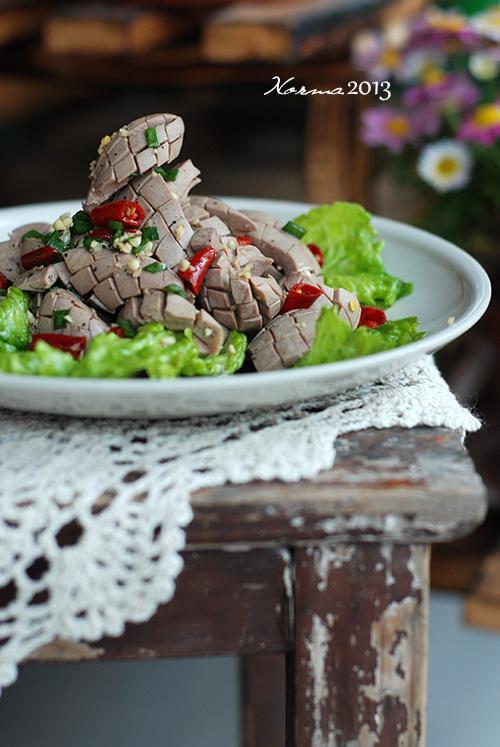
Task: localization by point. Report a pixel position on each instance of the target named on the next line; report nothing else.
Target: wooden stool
(322, 586)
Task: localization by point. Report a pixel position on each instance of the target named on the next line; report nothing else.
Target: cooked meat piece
(158, 280)
(285, 340)
(38, 279)
(203, 237)
(179, 313)
(131, 311)
(78, 259)
(63, 274)
(14, 247)
(252, 260)
(235, 297)
(186, 179)
(262, 217)
(238, 222)
(128, 153)
(287, 251)
(288, 338)
(81, 320)
(304, 276)
(210, 332)
(152, 306)
(194, 213)
(163, 211)
(216, 223)
(10, 259)
(107, 293)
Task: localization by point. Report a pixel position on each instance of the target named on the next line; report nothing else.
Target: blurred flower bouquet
(442, 123)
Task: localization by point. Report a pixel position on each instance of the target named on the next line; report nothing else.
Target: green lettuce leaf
(352, 248)
(43, 361)
(228, 361)
(154, 351)
(14, 320)
(336, 341)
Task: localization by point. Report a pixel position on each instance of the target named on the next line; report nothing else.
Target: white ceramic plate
(448, 284)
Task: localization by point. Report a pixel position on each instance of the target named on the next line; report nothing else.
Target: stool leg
(263, 695)
(360, 662)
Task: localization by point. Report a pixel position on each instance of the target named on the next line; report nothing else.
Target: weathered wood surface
(263, 700)
(225, 602)
(395, 485)
(361, 646)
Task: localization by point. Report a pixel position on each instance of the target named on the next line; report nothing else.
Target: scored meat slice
(12, 250)
(38, 279)
(128, 153)
(285, 340)
(113, 277)
(236, 220)
(80, 319)
(177, 314)
(186, 176)
(237, 298)
(291, 254)
(163, 211)
(288, 337)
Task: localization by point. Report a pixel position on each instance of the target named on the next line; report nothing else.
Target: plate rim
(468, 267)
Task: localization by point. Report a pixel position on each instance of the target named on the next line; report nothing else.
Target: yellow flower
(487, 115)
(431, 76)
(390, 58)
(398, 125)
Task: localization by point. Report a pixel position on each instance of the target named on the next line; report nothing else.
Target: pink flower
(483, 125)
(387, 126)
(372, 53)
(446, 91)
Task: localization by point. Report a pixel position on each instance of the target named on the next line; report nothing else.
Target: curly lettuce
(154, 351)
(336, 341)
(14, 320)
(352, 251)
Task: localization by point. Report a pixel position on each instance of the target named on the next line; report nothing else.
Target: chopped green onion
(115, 226)
(54, 240)
(59, 320)
(88, 241)
(150, 233)
(33, 235)
(81, 222)
(169, 176)
(154, 267)
(173, 288)
(152, 137)
(127, 327)
(294, 229)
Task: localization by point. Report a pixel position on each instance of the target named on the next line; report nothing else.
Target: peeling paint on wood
(360, 646)
(61, 650)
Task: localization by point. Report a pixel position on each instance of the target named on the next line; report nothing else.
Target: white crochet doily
(124, 489)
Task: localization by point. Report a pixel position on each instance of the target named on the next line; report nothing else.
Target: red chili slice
(301, 296)
(41, 257)
(244, 240)
(198, 267)
(118, 331)
(372, 317)
(66, 343)
(102, 233)
(4, 282)
(317, 252)
(126, 212)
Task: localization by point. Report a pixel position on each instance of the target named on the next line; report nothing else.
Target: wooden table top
(396, 485)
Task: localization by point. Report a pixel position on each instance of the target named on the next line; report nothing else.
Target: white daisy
(488, 23)
(416, 63)
(484, 65)
(445, 165)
